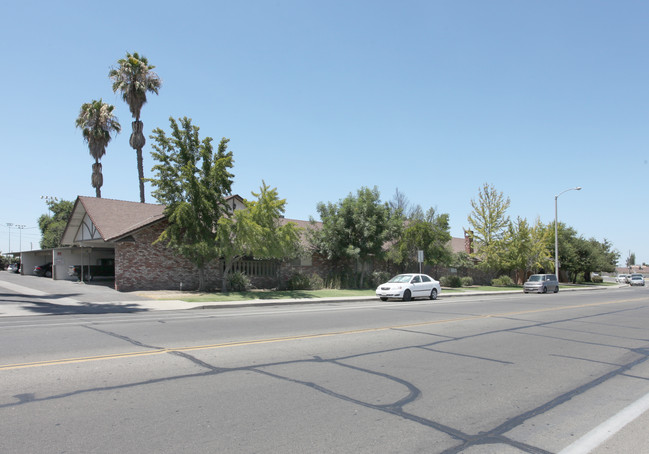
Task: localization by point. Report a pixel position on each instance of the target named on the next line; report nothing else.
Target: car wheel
(433, 294)
(556, 289)
(545, 290)
(383, 298)
(407, 295)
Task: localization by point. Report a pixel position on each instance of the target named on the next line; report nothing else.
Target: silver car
(637, 279)
(541, 283)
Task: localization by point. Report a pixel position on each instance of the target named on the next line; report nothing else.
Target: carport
(64, 257)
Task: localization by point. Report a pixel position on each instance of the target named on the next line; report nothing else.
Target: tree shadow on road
(40, 307)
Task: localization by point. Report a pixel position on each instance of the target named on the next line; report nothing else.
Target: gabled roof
(111, 218)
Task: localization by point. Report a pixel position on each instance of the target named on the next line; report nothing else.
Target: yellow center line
(301, 337)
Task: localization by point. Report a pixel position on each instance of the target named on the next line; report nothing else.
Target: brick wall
(141, 265)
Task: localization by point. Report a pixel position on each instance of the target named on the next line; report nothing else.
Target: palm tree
(134, 78)
(97, 122)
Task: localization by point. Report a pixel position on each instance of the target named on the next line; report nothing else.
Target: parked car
(541, 283)
(620, 279)
(43, 270)
(637, 279)
(409, 286)
(12, 268)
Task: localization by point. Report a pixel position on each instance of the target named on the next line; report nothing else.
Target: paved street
(481, 374)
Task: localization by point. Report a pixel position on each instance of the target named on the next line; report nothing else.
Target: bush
(597, 279)
(452, 281)
(503, 281)
(301, 281)
(467, 281)
(239, 282)
(378, 278)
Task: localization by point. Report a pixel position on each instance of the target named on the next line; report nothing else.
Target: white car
(621, 279)
(637, 279)
(409, 286)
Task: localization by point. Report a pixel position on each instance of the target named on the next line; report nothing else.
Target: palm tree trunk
(97, 178)
(137, 142)
(140, 171)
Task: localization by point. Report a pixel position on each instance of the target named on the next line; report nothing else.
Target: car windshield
(536, 278)
(401, 278)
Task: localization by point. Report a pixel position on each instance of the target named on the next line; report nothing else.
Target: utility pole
(9, 224)
(20, 241)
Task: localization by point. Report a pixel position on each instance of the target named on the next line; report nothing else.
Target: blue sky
(320, 98)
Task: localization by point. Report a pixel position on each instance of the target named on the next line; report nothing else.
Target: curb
(294, 301)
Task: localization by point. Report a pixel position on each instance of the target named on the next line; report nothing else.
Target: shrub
(467, 281)
(503, 281)
(301, 281)
(597, 279)
(378, 278)
(239, 282)
(316, 282)
(452, 281)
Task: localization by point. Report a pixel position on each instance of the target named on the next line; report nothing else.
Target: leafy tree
(427, 232)
(630, 260)
(97, 123)
(355, 229)
(257, 231)
(193, 183)
(134, 78)
(52, 225)
(595, 256)
(526, 248)
(489, 223)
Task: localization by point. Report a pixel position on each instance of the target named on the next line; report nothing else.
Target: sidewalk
(42, 296)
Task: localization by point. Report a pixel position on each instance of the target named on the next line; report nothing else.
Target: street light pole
(556, 230)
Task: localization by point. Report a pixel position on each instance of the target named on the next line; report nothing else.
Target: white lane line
(608, 428)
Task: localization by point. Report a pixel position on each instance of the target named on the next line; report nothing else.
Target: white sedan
(409, 286)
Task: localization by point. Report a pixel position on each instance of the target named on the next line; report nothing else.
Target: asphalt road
(501, 374)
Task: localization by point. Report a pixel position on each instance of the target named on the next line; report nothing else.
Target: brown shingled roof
(112, 218)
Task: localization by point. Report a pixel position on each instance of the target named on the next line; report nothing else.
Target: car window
(425, 278)
(416, 280)
(535, 278)
(401, 278)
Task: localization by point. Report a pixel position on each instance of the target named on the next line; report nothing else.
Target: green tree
(355, 229)
(97, 123)
(426, 232)
(256, 231)
(526, 248)
(630, 260)
(193, 183)
(134, 78)
(490, 226)
(53, 223)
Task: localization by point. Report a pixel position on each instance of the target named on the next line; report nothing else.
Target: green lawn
(269, 295)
